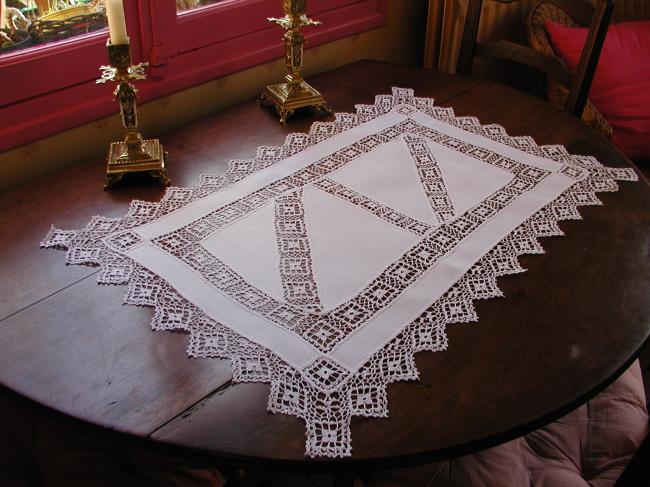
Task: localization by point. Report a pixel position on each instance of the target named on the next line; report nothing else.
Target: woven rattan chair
(594, 13)
(624, 10)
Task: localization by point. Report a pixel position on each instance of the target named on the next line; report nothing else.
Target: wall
(400, 41)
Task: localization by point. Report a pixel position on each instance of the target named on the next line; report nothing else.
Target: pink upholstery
(589, 447)
(621, 85)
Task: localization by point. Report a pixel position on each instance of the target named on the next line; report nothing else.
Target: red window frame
(52, 88)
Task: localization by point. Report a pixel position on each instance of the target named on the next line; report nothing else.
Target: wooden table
(565, 330)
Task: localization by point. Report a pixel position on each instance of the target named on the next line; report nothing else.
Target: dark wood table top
(565, 330)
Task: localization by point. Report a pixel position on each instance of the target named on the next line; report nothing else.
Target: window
(50, 86)
(28, 23)
(184, 5)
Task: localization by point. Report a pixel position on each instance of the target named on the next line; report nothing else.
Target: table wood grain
(565, 330)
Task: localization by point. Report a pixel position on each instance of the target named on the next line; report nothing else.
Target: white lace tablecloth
(323, 265)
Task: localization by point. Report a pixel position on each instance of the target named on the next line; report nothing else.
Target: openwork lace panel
(323, 265)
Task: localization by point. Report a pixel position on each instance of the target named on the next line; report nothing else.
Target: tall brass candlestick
(296, 92)
(133, 154)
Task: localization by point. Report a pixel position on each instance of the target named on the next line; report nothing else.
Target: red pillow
(621, 85)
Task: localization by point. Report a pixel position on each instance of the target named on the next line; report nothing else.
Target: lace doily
(323, 265)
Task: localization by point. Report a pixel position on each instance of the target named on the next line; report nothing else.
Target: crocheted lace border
(328, 412)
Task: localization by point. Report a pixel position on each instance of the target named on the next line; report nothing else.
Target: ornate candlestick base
(289, 97)
(152, 160)
(133, 154)
(296, 92)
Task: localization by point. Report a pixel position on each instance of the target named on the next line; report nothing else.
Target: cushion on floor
(589, 447)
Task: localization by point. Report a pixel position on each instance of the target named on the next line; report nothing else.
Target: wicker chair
(597, 13)
(624, 10)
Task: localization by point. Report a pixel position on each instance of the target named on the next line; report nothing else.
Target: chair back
(597, 15)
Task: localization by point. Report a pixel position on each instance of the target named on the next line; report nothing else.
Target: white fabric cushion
(589, 447)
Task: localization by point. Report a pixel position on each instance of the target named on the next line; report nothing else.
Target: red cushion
(621, 85)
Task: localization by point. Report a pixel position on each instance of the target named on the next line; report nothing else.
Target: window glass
(75, 31)
(185, 5)
(29, 23)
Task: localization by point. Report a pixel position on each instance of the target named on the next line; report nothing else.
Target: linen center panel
(313, 254)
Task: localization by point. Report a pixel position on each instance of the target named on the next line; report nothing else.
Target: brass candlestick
(133, 154)
(296, 92)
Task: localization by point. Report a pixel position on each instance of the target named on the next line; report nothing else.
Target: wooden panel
(83, 353)
(67, 200)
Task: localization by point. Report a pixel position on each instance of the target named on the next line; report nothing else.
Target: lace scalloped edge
(327, 412)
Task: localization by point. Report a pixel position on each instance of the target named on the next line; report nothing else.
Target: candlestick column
(296, 92)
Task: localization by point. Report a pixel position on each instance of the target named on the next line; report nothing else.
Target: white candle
(116, 22)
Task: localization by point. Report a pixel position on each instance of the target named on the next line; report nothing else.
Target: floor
(289, 480)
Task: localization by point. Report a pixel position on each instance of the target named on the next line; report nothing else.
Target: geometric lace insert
(323, 265)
